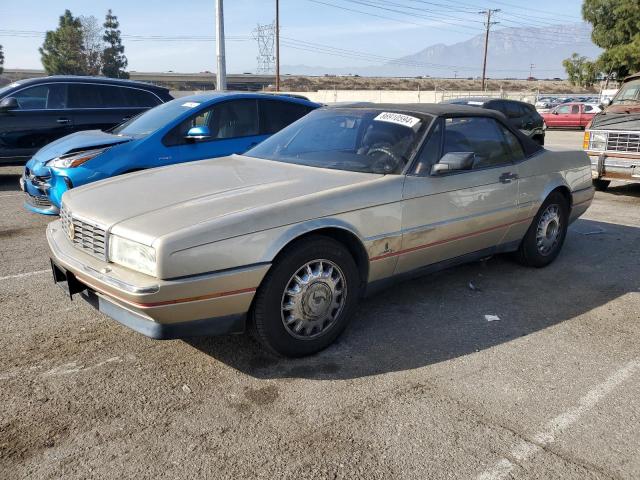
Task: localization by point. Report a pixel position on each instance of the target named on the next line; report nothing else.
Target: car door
(41, 117)
(574, 119)
(102, 107)
(560, 116)
(233, 128)
(468, 211)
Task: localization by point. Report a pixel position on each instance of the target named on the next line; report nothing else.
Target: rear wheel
(601, 185)
(545, 237)
(307, 298)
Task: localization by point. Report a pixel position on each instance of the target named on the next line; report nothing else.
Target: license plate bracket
(66, 280)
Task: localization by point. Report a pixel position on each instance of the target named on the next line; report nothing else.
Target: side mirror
(555, 112)
(454, 161)
(9, 103)
(198, 133)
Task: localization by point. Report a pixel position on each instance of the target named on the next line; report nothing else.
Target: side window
(42, 97)
(575, 109)
(480, 135)
(235, 118)
(513, 110)
(430, 153)
(113, 96)
(177, 134)
(563, 110)
(85, 95)
(588, 109)
(275, 115)
(140, 98)
(513, 145)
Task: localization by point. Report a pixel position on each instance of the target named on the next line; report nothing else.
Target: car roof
(88, 79)
(434, 109)
(214, 95)
(484, 100)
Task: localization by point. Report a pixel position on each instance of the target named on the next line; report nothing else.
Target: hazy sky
(388, 28)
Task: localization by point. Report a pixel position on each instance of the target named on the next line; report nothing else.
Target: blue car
(183, 130)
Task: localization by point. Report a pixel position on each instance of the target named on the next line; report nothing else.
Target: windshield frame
(619, 101)
(427, 121)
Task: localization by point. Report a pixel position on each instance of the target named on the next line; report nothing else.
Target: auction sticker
(190, 104)
(398, 119)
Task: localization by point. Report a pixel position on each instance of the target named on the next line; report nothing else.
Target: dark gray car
(521, 115)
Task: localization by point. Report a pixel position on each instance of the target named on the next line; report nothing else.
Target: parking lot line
(525, 449)
(27, 274)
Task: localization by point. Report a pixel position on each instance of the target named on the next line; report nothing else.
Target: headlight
(598, 141)
(132, 254)
(71, 160)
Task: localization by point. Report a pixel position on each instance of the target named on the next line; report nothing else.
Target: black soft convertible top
(450, 110)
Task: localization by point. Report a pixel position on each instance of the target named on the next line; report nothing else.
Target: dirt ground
(421, 385)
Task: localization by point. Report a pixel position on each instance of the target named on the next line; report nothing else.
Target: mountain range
(511, 53)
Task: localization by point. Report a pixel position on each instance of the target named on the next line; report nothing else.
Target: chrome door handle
(507, 177)
(63, 121)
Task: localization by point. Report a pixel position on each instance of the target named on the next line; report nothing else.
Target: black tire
(601, 185)
(267, 320)
(538, 249)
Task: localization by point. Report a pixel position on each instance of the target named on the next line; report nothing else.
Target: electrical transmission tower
(264, 35)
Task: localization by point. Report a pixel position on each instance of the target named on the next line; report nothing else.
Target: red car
(570, 115)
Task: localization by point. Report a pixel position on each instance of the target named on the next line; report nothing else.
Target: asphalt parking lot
(421, 385)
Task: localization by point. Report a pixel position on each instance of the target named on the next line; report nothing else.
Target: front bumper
(43, 194)
(606, 166)
(204, 304)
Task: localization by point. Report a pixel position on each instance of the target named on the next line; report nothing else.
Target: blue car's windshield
(354, 139)
(156, 118)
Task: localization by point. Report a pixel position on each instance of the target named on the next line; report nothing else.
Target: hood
(618, 117)
(78, 141)
(241, 194)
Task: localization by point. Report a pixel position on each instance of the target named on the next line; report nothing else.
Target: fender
(298, 230)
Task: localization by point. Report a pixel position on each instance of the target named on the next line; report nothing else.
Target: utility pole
(277, 45)
(221, 72)
(488, 13)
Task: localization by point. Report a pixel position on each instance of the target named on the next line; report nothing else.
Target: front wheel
(545, 237)
(307, 298)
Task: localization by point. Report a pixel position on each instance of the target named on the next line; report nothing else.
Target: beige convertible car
(287, 238)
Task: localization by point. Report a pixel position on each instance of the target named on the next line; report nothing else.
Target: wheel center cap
(317, 299)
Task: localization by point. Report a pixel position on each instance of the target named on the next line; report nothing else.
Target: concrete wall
(394, 96)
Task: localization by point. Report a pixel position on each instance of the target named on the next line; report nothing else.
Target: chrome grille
(40, 201)
(84, 235)
(623, 142)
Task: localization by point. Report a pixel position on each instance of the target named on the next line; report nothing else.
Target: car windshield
(156, 118)
(6, 88)
(629, 93)
(353, 139)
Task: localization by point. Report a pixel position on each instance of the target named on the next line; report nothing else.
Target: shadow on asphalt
(9, 182)
(626, 189)
(439, 317)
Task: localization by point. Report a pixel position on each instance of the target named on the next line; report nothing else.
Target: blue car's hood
(75, 142)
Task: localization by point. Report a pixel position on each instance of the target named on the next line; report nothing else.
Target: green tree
(114, 61)
(63, 49)
(616, 29)
(1, 60)
(93, 44)
(581, 72)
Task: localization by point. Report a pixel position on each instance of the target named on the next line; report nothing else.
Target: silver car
(286, 239)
